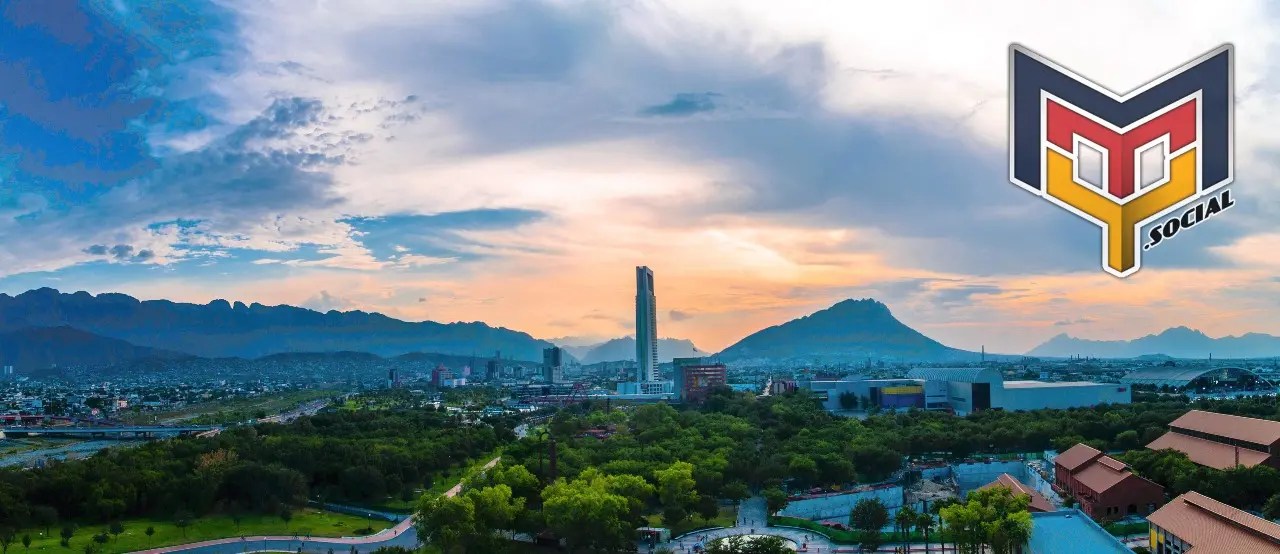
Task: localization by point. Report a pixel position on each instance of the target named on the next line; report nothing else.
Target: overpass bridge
(117, 432)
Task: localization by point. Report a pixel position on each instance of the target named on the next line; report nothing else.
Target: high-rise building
(646, 326)
(553, 364)
(695, 377)
(493, 370)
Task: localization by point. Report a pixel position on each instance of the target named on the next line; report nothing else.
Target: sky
(512, 162)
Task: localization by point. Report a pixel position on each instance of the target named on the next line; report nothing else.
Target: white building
(978, 388)
(646, 326)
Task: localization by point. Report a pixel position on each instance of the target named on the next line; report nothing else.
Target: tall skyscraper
(646, 326)
(553, 364)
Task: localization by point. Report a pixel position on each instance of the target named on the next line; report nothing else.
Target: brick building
(1222, 441)
(1196, 524)
(1105, 487)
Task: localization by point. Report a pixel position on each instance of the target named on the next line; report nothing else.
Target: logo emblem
(1123, 161)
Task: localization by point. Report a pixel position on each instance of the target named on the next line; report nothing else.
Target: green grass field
(316, 522)
(725, 519)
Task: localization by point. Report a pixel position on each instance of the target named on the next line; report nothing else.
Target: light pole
(543, 435)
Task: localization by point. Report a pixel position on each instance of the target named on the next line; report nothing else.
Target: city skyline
(768, 160)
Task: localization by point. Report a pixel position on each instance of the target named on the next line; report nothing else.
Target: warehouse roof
(1175, 376)
(1070, 532)
(1212, 527)
(958, 374)
(1077, 456)
(1209, 453)
(1247, 429)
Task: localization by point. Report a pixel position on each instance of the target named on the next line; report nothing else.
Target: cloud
(677, 315)
(685, 103)
(324, 302)
(422, 299)
(1069, 322)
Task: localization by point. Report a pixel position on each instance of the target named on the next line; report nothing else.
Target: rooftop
(1070, 532)
(958, 374)
(1106, 473)
(1208, 453)
(1048, 385)
(1212, 527)
(1038, 502)
(1258, 431)
(1077, 456)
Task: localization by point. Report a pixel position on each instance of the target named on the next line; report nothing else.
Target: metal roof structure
(957, 374)
(1178, 377)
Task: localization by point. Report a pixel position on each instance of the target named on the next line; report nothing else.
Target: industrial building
(1222, 441)
(1105, 487)
(694, 378)
(863, 393)
(1194, 523)
(1070, 532)
(1176, 378)
(966, 390)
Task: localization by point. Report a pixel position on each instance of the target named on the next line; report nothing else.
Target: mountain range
(220, 329)
(45, 347)
(1178, 342)
(624, 349)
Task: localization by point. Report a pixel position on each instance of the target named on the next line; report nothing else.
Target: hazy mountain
(39, 348)
(221, 329)
(851, 330)
(1178, 342)
(624, 349)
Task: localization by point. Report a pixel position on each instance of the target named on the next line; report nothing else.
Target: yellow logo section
(1120, 223)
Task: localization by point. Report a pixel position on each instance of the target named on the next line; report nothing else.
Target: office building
(646, 327)
(493, 370)
(1222, 441)
(1194, 523)
(441, 376)
(553, 364)
(694, 378)
(391, 378)
(1105, 487)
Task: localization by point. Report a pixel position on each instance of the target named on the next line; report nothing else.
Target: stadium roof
(958, 374)
(1174, 376)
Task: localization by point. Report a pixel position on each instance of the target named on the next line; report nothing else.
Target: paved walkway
(402, 534)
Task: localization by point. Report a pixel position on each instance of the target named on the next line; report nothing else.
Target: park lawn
(316, 522)
(726, 518)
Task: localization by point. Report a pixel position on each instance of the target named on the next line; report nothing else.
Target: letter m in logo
(1120, 161)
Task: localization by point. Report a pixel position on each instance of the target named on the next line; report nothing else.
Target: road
(402, 534)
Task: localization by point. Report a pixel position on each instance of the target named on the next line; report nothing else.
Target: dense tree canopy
(342, 456)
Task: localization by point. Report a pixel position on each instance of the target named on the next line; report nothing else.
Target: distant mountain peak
(846, 331)
(1176, 342)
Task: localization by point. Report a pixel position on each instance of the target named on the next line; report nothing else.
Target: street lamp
(543, 435)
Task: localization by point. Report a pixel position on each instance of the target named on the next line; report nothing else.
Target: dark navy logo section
(1209, 75)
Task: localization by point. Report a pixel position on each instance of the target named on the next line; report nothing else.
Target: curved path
(402, 534)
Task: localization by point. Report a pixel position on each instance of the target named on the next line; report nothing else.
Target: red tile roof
(1259, 431)
(1212, 527)
(1076, 457)
(1106, 473)
(1208, 453)
(1038, 502)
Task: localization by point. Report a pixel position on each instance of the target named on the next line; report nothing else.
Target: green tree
(181, 520)
(286, 515)
(676, 489)
(736, 491)
(149, 532)
(495, 510)
(756, 545)
(447, 521)
(1272, 508)
(869, 516)
(66, 533)
(708, 508)
(7, 536)
(925, 523)
(992, 519)
(848, 401)
(775, 500)
(44, 516)
(26, 541)
(904, 521)
(588, 514)
(116, 528)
